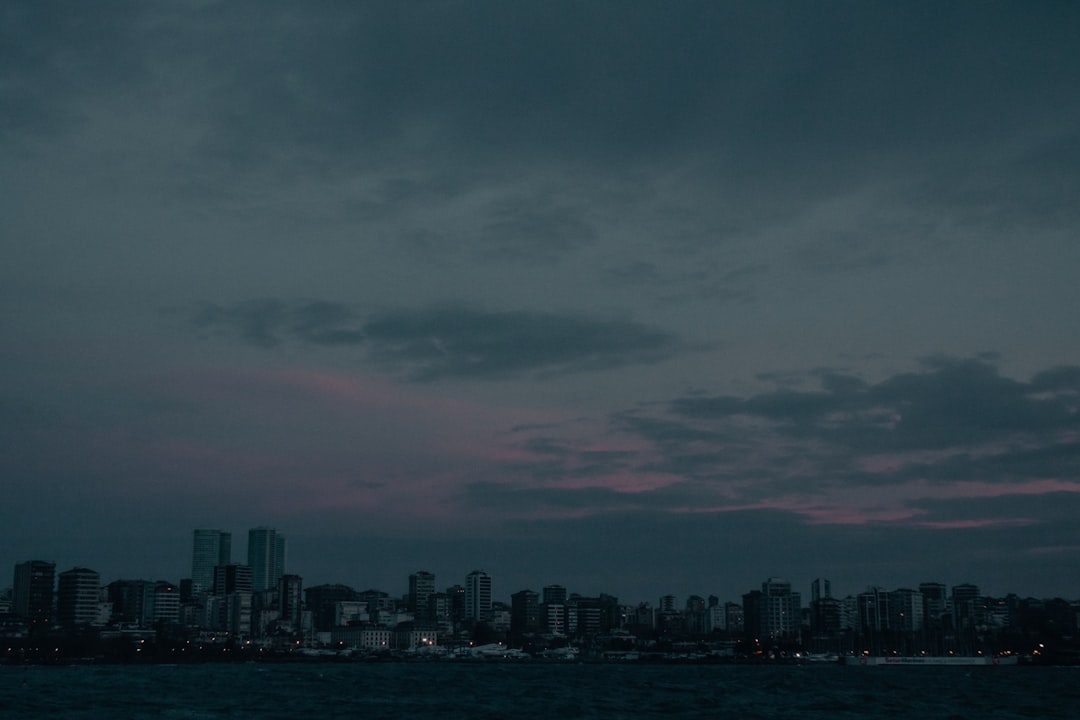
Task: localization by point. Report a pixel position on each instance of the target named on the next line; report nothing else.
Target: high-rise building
(421, 588)
(906, 609)
(132, 601)
(209, 549)
(456, 598)
(266, 557)
(966, 604)
(524, 612)
(166, 602)
(774, 612)
(33, 592)
(291, 599)
(478, 596)
(77, 594)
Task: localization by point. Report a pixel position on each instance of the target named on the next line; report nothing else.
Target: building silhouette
(478, 596)
(78, 593)
(524, 612)
(772, 614)
(421, 588)
(209, 549)
(266, 557)
(32, 593)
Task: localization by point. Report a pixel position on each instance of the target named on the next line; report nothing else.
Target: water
(524, 691)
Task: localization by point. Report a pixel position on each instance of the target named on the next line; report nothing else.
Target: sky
(641, 298)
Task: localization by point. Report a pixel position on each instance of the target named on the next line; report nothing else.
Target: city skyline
(635, 297)
(481, 589)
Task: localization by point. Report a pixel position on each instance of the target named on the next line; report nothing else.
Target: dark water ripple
(524, 691)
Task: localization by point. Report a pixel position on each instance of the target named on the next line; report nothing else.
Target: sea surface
(448, 690)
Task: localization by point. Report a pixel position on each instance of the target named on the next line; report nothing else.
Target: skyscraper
(209, 549)
(478, 596)
(266, 557)
(33, 592)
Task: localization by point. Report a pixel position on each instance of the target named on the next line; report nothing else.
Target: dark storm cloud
(449, 341)
(954, 421)
(953, 402)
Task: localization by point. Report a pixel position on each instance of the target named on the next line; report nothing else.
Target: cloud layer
(733, 290)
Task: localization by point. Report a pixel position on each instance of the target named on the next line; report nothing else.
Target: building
(906, 610)
(554, 595)
(132, 602)
(478, 596)
(290, 599)
(773, 613)
(209, 549)
(32, 594)
(421, 588)
(77, 594)
(553, 618)
(524, 612)
(266, 557)
(166, 603)
(322, 600)
(232, 578)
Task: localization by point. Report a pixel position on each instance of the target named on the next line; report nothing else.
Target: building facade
(32, 593)
(209, 549)
(266, 557)
(78, 592)
(478, 596)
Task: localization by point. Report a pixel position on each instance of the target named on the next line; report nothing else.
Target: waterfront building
(421, 588)
(209, 549)
(906, 609)
(321, 601)
(773, 613)
(290, 600)
(716, 619)
(266, 557)
(77, 595)
(478, 596)
(32, 593)
(456, 594)
(237, 614)
(734, 618)
(524, 612)
(166, 602)
(132, 602)
(553, 618)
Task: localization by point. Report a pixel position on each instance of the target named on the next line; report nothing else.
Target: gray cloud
(953, 402)
(448, 341)
(955, 421)
(729, 230)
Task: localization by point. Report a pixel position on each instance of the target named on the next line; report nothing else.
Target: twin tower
(213, 548)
